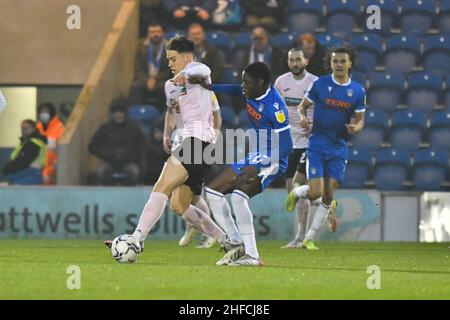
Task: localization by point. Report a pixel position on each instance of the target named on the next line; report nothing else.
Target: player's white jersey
(173, 92)
(195, 105)
(293, 91)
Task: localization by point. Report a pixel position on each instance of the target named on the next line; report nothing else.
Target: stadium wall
(37, 46)
(100, 213)
(110, 76)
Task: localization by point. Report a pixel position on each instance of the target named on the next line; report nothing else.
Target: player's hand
(203, 14)
(305, 123)
(200, 81)
(179, 79)
(352, 128)
(179, 13)
(167, 145)
(151, 84)
(176, 106)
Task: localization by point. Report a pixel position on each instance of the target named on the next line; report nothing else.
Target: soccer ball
(124, 249)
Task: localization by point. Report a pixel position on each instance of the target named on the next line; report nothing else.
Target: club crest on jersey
(260, 107)
(330, 88)
(350, 92)
(280, 116)
(313, 170)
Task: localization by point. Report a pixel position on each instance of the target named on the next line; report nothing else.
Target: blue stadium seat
(358, 168)
(360, 78)
(369, 48)
(328, 40)
(439, 133)
(305, 15)
(447, 93)
(417, 16)
(430, 169)
(375, 127)
(408, 129)
(242, 40)
(402, 53)
(285, 40)
(229, 75)
(242, 117)
(436, 55)
(342, 16)
(444, 16)
(386, 91)
(391, 168)
(145, 116)
(389, 14)
(228, 117)
(171, 34)
(423, 92)
(220, 40)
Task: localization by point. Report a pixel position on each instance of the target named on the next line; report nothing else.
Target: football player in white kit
(184, 169)
(293, 86)
(173, 136)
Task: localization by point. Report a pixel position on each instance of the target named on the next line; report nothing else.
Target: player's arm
(169, 125)
(302, 108)
(217, 116)
(357, 125)
(219, 88)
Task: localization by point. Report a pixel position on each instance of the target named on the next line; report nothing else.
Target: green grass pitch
(37, 269)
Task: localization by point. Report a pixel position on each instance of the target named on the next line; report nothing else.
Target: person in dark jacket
(185, 12)
(205, 52)
(266, 13)
(315, 53)
(28, 158)
(119, 144)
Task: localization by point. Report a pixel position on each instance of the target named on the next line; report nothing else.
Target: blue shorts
(268, 172)
(327, 162)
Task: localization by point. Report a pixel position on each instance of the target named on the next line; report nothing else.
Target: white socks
(151, 213)
(302, 191)
(203, 222)
(320, 216)
(302, 208)
(244, 220)
(222, 214)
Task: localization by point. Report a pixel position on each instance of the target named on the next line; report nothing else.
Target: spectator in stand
(28, 158)
(51, 127)
(156, 154)
(120, 145)
(260, 50)
(205, 52)
(151, 69)
(266, 13)
(315, 53)
(184, 12)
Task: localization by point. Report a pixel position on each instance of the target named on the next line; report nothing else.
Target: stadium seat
(436, 55)
(369, 48)
(389, 13)
(402, 53)
(304, 15)
(229, 75)
(285, 40)
(417, 16)
(430, 169)
(360, 78)
(444, 16)
(242, 117)
(391, 168)
(342, 16)
(386, 91)
(241, 41)
(145, 116)
(171, 34)
(358, 168)
(408, 129)
(439, 133)
(423, 92)
(328, 40)
(375, 127)
(228, 117)
(221, 41)
(447, 94)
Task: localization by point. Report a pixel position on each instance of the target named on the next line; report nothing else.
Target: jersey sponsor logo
(292, 101)
(337, 103)
(280, 116)
(253, 113)
(286, 90)
(183, 90)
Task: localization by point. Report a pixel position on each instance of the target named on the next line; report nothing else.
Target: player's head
(260, 39)
(297, 61)
(28, 128)
(155, 33)
(46, 112)
(255, 79)
(341, 60)
(180, 51)
(308, 43)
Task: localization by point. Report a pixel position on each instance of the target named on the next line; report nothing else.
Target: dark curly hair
(343, 49)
